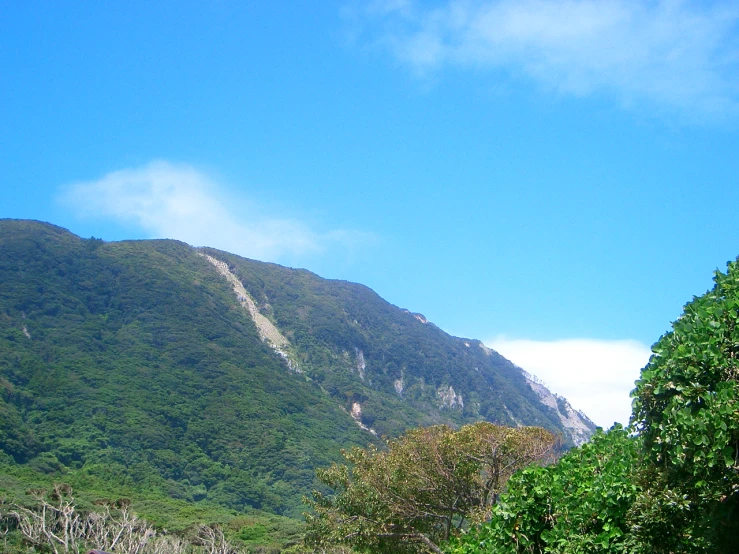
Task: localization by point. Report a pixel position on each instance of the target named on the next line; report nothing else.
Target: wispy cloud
(596, 376)
(177, 201)
(672, 53)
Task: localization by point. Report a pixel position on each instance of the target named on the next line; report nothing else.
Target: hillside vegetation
(135, 368)
(210, 388)
(130, 360)
(401, 370)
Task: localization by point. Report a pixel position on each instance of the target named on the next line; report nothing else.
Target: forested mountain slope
(391, 365)
(216, 377)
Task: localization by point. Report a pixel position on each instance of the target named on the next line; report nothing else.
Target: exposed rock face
(270, 334)
(361, 364)
(357, 410)
(576, 423)
(419, 317)
(267, 331)
(356, 413)
(449, 398)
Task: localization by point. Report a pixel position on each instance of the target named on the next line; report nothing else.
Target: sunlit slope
(399, 369)
(134, 356)
(142, 360)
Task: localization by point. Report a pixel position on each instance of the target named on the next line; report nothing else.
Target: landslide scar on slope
(267, 331)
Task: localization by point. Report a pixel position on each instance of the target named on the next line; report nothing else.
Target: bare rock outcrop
(267, 331)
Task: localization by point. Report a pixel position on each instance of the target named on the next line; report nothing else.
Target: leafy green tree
(674, 486)
(579, 505)
(423, 489)
(686, 408)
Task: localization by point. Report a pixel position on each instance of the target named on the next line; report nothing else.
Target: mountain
(214, 378)
(391, 368)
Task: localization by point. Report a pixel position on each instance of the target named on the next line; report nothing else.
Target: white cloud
(177, 201)
(674, 53)
(596, 376)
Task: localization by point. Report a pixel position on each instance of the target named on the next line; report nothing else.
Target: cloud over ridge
(679, 54)
(177, 201)
(596, 376)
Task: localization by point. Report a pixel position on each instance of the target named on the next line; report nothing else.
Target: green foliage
(258, 531)
(426, 486)
(579, 505)
(133, 362)
(339, 327)
(53, 519)
(686, 407)
(131, 366)
(674, 487)
(687, 401)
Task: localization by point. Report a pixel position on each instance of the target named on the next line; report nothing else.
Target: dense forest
(142, 410)
(133, 369)
(130, 367)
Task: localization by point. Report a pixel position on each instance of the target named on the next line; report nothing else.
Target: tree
(674, 486)
(426, 486)
(686, 407)
(580, 505)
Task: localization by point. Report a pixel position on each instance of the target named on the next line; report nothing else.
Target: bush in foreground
(423, 489)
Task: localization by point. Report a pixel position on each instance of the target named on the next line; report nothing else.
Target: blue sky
(556, 178)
